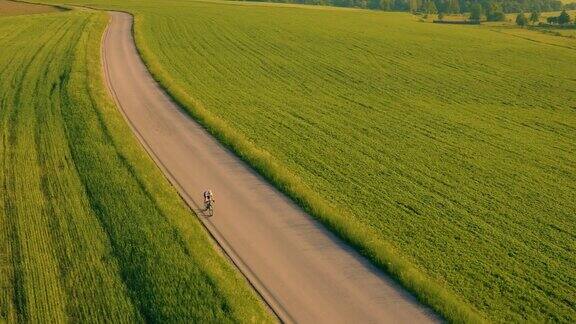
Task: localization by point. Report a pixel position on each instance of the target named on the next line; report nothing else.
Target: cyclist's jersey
(208, 195)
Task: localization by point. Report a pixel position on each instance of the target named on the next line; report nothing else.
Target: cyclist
(208, 198)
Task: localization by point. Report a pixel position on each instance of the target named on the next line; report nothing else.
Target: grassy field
(448, 148)
(90, 231)
(446, 154)
(13, 8)
(545, 35)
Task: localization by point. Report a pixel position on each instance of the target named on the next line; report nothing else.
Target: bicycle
(209, 207)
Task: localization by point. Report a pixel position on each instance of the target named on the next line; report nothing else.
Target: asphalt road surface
(302, 271)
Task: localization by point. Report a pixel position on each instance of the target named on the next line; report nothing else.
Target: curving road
(303, 272)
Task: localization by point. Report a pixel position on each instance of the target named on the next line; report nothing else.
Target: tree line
(562, 20)
(491, 8)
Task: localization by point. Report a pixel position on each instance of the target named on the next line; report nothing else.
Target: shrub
(496, 16)
(521, 20)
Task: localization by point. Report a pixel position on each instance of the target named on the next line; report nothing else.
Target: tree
(385, 5)
(534, 17)
(476, 12)
(431, 8)
(440, 15)
(400, 5)
(564, 18)
(493, 11)
(552, 20)
(521, 19)
(496, 16)
(454, 6)
(413, 5)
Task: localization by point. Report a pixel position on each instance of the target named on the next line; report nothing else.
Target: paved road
(302, 271)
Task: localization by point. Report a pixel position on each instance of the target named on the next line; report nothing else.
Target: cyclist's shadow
(200, 210)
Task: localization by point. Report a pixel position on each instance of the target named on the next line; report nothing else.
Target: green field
(453, 145)
(446, 154)
(90, 231)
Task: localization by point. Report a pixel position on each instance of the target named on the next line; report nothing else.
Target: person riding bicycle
(208, 198)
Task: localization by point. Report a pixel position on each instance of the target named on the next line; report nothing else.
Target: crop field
(445, 154)
(90, 231)
(13, 8)
(550, 37)
(454, 145)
